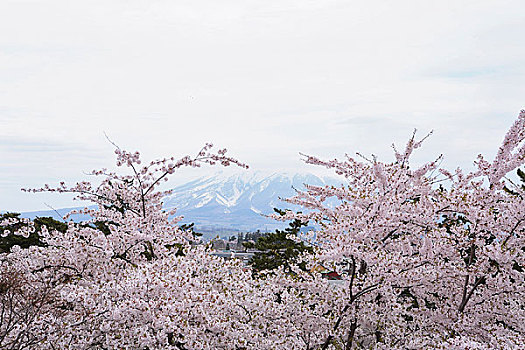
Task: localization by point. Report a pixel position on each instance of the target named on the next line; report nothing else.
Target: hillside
(222, 204)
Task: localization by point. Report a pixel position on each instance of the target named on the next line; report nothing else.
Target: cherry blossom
(428, 258)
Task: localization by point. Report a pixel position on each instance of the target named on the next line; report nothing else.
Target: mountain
(238, 202)
(225, 204)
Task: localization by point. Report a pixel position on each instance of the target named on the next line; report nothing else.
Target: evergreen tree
(12, 239)
(276, 249)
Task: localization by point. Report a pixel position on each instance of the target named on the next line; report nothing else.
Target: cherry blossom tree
(127, 278)
(430, 258)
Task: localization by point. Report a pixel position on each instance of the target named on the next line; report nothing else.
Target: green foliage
(276, 249)
(190, 228)
(6, 243)
(34, 238)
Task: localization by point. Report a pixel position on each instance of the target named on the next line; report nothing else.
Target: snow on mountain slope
(222, 204)
(239, 201)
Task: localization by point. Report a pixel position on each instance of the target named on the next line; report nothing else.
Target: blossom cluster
(427, 258)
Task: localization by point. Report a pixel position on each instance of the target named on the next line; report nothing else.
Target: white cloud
(265, 79)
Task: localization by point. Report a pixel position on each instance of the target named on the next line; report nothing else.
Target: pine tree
(11, 239)
(276, 249)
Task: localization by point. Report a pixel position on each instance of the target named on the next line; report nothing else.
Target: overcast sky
(266, 79)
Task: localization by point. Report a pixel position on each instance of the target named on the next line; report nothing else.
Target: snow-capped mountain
(238, 202)
(223, 204)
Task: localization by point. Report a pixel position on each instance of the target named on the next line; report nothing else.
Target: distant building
(326, 273)
(219, 244)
